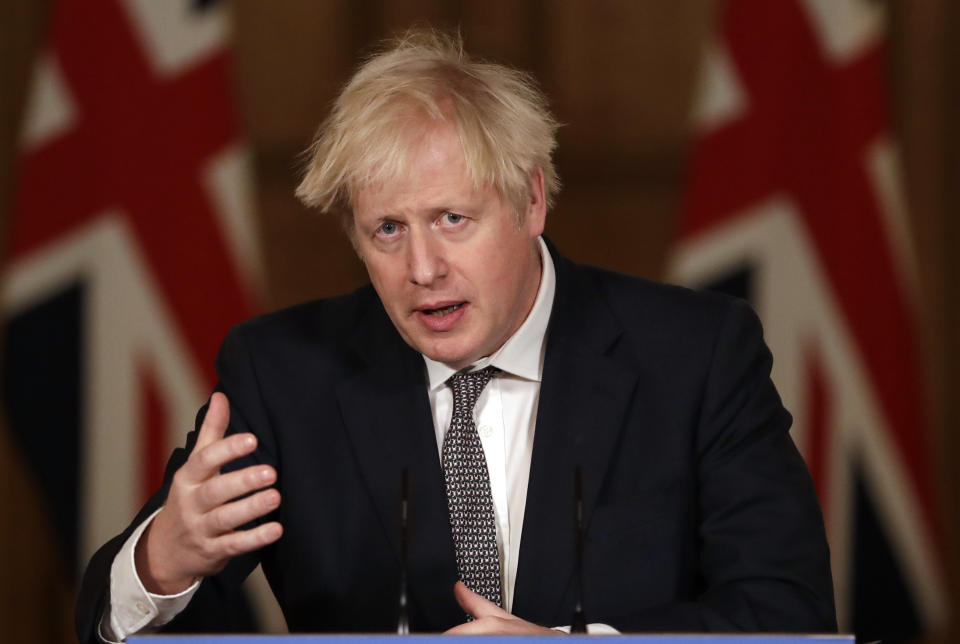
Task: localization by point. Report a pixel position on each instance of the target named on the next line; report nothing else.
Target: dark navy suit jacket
(700, 514)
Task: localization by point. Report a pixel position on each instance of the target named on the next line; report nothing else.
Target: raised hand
(194, 533)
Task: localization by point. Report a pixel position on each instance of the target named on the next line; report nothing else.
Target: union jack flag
(131, 251)
(794, 203)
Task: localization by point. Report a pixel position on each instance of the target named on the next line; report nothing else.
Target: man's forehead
(433, 172)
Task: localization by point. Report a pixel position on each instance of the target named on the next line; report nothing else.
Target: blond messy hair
(422, 79)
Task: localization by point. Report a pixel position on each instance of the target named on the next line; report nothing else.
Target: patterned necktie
(472, 521)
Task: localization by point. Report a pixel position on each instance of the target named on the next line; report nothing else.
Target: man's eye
(452, 218)
(388, 228)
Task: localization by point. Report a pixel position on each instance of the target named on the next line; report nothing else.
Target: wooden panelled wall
(620, 75)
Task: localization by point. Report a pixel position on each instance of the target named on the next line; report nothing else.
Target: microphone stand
(403, 619)
(579, 622)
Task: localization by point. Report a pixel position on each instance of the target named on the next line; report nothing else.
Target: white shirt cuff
(132, 608)
(592, 629)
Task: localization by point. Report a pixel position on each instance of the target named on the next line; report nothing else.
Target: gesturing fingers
(231, 515)
(206, 461)
(217, 490)
(237, 543)
(196, 531)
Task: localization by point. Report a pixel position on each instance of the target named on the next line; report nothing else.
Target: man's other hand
(194, 534)
(490, 619)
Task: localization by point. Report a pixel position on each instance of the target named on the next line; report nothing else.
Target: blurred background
(802, 154)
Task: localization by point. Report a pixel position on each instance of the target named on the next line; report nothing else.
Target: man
(490, 368)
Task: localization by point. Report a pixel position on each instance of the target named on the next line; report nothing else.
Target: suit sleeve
(218, 605)
(763, 554)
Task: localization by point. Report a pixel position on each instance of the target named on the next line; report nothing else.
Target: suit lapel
(387, 414)
(584, 398)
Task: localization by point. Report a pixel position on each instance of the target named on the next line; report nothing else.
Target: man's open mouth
(445, 310)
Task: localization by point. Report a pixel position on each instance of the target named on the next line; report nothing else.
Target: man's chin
(456, 362)
(457, 349)
(451, 356)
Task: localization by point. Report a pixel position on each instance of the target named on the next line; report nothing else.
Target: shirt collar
(522, 354)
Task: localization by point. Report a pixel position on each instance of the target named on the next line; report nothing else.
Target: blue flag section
(42, 362)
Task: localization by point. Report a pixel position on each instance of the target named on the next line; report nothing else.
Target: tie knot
(467, 387)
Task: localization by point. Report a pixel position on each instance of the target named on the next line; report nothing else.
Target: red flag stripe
(146, 162)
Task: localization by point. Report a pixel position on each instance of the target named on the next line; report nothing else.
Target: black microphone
(403, 619)
(579, 623)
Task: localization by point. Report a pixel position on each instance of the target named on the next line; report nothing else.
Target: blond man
(489, 368)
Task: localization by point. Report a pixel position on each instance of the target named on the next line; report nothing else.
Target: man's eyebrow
(383, 214)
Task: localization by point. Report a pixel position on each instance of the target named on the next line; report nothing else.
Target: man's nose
(426, 263)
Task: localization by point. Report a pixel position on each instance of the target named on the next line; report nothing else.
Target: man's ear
(536, 215)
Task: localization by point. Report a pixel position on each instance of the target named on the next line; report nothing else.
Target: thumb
(214, 424)
(475, 605)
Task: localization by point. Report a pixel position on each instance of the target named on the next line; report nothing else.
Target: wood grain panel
(621, 73)
(292, 58)
(948, 342)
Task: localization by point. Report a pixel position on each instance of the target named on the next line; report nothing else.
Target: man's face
(456, 275)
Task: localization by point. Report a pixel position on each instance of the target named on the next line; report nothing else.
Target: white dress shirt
(506, 414)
